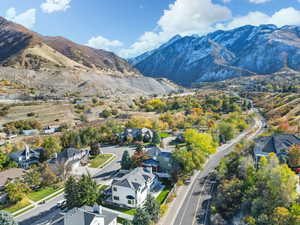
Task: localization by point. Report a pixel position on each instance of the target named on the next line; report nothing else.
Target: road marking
(194, 218)
(195, 185)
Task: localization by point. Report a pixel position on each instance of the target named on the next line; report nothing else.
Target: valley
(202, 130)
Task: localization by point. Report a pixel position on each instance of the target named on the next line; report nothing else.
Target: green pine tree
(126, 161)
(141, 217)
(152, 207)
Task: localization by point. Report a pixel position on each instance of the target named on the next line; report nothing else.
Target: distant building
(79, 102)
(30, 132)
(277, 143)
(144, 134)
(87, 216)
(50, 129)
(131, 190)
(26, 157)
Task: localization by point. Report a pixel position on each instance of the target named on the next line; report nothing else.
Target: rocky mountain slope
(245, 51)
(22, 48)
(57, 66)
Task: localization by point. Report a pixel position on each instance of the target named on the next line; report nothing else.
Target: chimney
(97, 209)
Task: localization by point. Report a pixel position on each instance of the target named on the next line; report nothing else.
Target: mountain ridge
(25, 49)
(244, 51)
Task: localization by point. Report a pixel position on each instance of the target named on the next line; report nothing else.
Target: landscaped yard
(163, 194)
(11, 208)
(127, 211)
(43, 193)
(101, 160)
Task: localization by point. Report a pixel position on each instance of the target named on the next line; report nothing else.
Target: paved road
(105, 175)
(194, 210)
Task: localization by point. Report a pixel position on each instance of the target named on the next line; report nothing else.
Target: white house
(131, 190)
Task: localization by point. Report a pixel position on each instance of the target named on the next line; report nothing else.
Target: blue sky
(131, 27)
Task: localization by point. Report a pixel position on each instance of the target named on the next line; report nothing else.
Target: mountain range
(220, 55)
(57, 65)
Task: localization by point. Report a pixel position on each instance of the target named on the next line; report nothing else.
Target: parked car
(61, 204)
(188, 181)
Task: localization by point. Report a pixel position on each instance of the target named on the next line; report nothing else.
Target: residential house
(277, 143)
(87, 216)
(50, 129)
(144, 134)
(72, 154)
(70, 158)
(159, 160)
(26, 157)
(131, 190)
(30, 132)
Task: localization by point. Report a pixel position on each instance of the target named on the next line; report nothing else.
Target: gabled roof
(277, 143)
(134, 179)
(34, 153)
(87, 215)
(69, 153)
(150, 162)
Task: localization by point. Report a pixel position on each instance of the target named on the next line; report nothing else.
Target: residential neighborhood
(89, 177)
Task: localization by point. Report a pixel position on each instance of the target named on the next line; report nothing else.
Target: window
(117, 198)
(130, 202)
(130, 197)
(115, 189)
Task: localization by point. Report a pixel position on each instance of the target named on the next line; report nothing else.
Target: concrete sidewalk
(176, 204)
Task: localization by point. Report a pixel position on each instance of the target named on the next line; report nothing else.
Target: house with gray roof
(26, 157)
(277, 143)
(159, 160)
(131, 190)
(88, 216)
(144, 134)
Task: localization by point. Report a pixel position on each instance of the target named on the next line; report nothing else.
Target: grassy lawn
(164, 135)
(126, 211)
(11, 208)
(101, 160)
(56, 194)
(43, 193)
(163, 195)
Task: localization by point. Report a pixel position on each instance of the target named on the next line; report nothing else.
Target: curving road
(194, 210)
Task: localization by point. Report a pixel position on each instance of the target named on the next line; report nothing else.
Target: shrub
(163, 209)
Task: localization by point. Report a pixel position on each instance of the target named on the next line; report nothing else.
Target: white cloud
(100, 42)
(259, 1)
(183, 17)
(26, 18)
(51, 6)
(287, 16)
